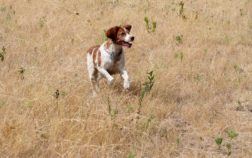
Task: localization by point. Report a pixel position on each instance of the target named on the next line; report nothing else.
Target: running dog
(108, 58)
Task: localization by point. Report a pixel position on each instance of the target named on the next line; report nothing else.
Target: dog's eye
(123, 34)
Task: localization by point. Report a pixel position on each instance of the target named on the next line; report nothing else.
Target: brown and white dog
(108, 59)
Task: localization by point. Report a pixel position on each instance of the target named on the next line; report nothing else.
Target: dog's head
(121, 35)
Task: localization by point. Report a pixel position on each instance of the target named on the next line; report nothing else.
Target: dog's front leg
(126, 81)
(105, 73)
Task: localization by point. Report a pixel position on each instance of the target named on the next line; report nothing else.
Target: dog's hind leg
(95, 82)
(93, 74)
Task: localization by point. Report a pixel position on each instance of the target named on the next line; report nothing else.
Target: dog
(108, 59)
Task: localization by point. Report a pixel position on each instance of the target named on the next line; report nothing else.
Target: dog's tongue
(128, 45)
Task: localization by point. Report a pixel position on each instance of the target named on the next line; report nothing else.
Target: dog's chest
(112, 62)
(112, 59)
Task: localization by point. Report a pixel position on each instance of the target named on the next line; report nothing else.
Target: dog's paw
(126, 85)
(111, 81)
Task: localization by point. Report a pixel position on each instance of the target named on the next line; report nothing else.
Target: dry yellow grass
(203, 84)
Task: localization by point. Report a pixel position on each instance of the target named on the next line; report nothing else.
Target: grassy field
(200, 105)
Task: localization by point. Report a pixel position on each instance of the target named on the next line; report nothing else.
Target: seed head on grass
(21, 72)
(181, 10)
(228, 146)
(56, 94)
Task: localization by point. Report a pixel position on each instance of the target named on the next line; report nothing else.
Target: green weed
(42, 22)
(2, 8)
(147, 86)
(131, 155)
(2, 103)
(232, 134)
(238, 68)
(179, 55)
(130, 108)
(148, 122)
(150, 26)
(181, 9)
(179, 39)
(241, 12)
(198, 77)
(2, 53)
(104, 37)
(205, 50)
(28, 103)
(178, 141)
(218, 141)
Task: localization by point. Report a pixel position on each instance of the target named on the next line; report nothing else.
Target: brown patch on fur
(94, 54)
(95, 73)
(108, 44)
(121, 34)
(117, 34)
(90, 50)
(113, 71)
(99, 58)
(112, 33)
(127, 27)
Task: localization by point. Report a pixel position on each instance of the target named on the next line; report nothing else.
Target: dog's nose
(132, 38)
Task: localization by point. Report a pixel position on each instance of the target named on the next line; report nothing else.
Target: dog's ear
(112, 33)
(128, 27)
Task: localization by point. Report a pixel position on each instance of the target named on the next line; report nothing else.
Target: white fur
(128, 38)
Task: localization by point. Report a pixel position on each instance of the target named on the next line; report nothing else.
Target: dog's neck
(112, 47)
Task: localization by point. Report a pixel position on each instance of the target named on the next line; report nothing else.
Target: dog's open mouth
(126, 44)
